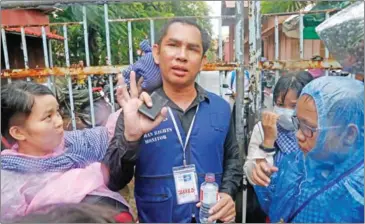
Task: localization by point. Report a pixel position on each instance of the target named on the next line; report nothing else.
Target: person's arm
(232, 165)
(225, 209)
(120, 158)
(111, 123)
(89, 144)
(254, 152)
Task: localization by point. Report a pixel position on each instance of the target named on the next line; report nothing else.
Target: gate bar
(326, 52)
(69, 80)
(240, 96)
(88, 64)
(25, 51)
(109, 55)
(42, 24)
(50, 53)
(102, 70)
(258, 57)
(5, 51)
(130, 43)
(45, 52)
(170, 17)
(301, 42)
(276, 46)
(152, 31)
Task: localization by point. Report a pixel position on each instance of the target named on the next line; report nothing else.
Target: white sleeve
(254, 151)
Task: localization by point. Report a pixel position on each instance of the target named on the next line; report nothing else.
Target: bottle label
(208, 197)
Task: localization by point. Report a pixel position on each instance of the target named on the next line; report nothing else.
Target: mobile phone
(157, 104)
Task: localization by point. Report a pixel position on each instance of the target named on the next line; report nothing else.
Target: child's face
(42, 131)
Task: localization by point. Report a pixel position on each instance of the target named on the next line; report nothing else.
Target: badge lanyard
(178, 131)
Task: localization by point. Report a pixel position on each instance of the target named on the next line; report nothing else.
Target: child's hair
(291, 81)
(17, 98)
(72, 213)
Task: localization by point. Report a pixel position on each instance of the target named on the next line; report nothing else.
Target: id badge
(186, 184)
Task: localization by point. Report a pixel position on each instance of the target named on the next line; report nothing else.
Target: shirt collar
(202, 94)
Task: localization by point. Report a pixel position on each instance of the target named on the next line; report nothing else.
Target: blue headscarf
(339, 102)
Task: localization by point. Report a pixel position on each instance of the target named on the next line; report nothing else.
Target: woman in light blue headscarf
(324, 182)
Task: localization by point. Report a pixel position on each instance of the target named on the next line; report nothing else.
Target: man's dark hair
(204, 35)
(18, 98)
(291, 81)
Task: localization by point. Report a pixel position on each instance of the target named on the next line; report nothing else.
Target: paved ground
(210, 82)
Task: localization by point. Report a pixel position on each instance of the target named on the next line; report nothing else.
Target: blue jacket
(161, 150)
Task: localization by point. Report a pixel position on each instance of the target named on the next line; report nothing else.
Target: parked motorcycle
(82, 109)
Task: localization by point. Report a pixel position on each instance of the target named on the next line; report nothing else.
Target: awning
(34, 33)
(311, 21)
(291, 25)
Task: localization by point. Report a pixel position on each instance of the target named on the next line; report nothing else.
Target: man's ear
(350, 134)
(17, 133)
(204, 61)
(156, 53)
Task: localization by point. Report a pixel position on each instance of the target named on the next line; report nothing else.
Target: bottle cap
(210, 177)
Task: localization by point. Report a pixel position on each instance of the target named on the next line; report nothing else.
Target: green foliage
(118, 30)
(276, 6)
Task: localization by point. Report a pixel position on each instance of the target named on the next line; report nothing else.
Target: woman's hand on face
(269, 120)
(262, 172)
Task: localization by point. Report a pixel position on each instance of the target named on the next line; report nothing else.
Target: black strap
(291, 218)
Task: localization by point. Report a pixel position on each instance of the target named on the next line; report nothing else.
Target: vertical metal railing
(50, 54)
(25, 51)
(255, 52)
(277, 44)
(152, 31)
(68, 77)
(45, 54)
(91, 98)
(5, 51)
(240, 96)
(50, 57)
(301, 41)
(109, 55)
(326, 52)
(258, 58)
(130, 43)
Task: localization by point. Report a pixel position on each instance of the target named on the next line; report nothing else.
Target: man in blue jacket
(194, 135)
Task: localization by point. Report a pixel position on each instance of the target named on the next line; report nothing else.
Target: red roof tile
(35, 33)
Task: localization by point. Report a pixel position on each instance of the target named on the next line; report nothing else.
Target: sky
(216, 11)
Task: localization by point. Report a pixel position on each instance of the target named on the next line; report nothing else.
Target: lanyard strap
(179, 134)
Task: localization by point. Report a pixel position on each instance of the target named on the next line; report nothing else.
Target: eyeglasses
(306, 130)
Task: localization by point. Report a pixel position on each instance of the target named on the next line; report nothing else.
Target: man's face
(180, 54)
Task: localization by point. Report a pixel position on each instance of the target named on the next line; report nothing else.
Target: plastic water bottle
(208, 197)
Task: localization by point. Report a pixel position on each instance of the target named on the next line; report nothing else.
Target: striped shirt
(81, 148)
